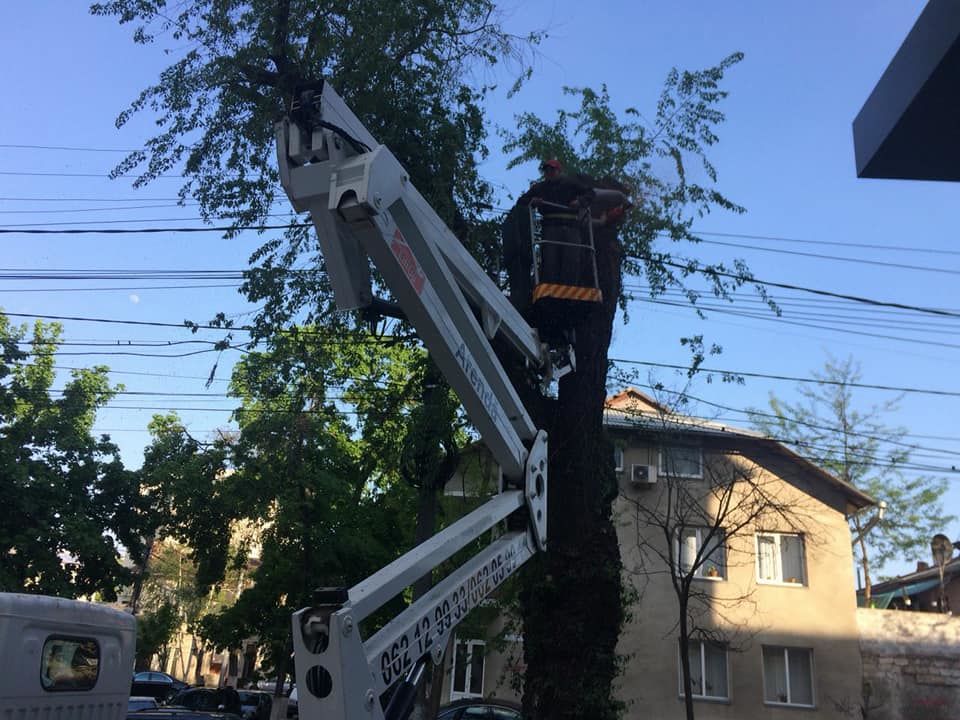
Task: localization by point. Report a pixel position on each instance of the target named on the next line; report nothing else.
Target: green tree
(573, 673)
(856, 444)
(406, 69)
(324, 492)
(184, 497)
(154, 630)
(236, 68)
(70, 502)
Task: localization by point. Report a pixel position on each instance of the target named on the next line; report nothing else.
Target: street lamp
(942, 552)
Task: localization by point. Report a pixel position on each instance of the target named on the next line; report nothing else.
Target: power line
(117, 343)
(770, 318)
(869, 246)
(924, 391)
(789, 313)
(87, 199)
(260, 228)
(125, 353)
(119, 222)
(103, 176)
(923, 468)
(143, 323)
(792, 300)
(801, 288)
(327, 335)
(149, 274)
(111, 371)
(836, 258)
(245, 328)
(108, 289)
(148, 231)
(63, 147)
(101, 209)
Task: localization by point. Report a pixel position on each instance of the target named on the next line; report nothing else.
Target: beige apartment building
(763, 534)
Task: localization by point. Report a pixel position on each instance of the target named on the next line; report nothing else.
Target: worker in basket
(563, 203)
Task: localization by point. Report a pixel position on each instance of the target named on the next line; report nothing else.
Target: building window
(69, 663)
(708, 671)
(467, 673)
(618, 458)
(694, 545)
(788, 676)
(681, 461)
(780, 558)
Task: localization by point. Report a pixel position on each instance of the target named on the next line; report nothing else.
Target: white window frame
(618, 458)
(702, 658)
(473, 646)
(661, 467)
(701, 572)
(778, 557)
(786, 668)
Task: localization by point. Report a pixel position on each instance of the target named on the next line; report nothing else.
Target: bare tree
(697, 521)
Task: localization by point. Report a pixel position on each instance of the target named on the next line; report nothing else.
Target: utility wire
(801, 288)
(868, 246)
(835, 258)
(679, 266)
(785, 321)
(334, 336)
(87, 199)
(947, 438)
(104, 176)
(14, 146)
(815, 426)
(790, 378)
(119, 222)
(327, 335)
(790, 315)
(109, 289)
(149, 231)
(101, 209)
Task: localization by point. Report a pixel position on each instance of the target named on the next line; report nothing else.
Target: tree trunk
(429, 691)
(864, 563)
(198, 673)
(141, 575)
(685, 660)
(571, 600)
(433, 475)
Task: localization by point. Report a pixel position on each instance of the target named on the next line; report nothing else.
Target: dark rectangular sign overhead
(909, 127)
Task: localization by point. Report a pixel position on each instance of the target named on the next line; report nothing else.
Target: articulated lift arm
(365, 208)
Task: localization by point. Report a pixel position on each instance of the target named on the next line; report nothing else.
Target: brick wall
(911, 665)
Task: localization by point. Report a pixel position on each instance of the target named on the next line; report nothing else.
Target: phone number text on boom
(434, 624)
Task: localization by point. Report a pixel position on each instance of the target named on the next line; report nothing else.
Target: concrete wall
(911, 664)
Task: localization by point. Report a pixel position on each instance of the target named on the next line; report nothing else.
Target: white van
(64, 658)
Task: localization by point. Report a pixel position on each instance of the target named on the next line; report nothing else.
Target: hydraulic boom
(365, 208)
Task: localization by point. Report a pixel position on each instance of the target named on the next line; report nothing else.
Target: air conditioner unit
(643, 475)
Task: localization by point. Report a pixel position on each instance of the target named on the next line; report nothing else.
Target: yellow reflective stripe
(566, 292)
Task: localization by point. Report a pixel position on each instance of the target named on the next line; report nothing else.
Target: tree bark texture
(572, 600)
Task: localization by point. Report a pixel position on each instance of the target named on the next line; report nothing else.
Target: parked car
(159, 677)
(142, 702)
(480, 709)
(255, 705)
(223, 699)
(158, 685)
(179, 713)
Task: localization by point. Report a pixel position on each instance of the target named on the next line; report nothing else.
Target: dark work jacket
(561, 191)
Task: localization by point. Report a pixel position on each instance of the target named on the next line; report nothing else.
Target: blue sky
(786, 154)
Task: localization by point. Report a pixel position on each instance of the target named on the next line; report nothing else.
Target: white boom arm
(364, 207)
